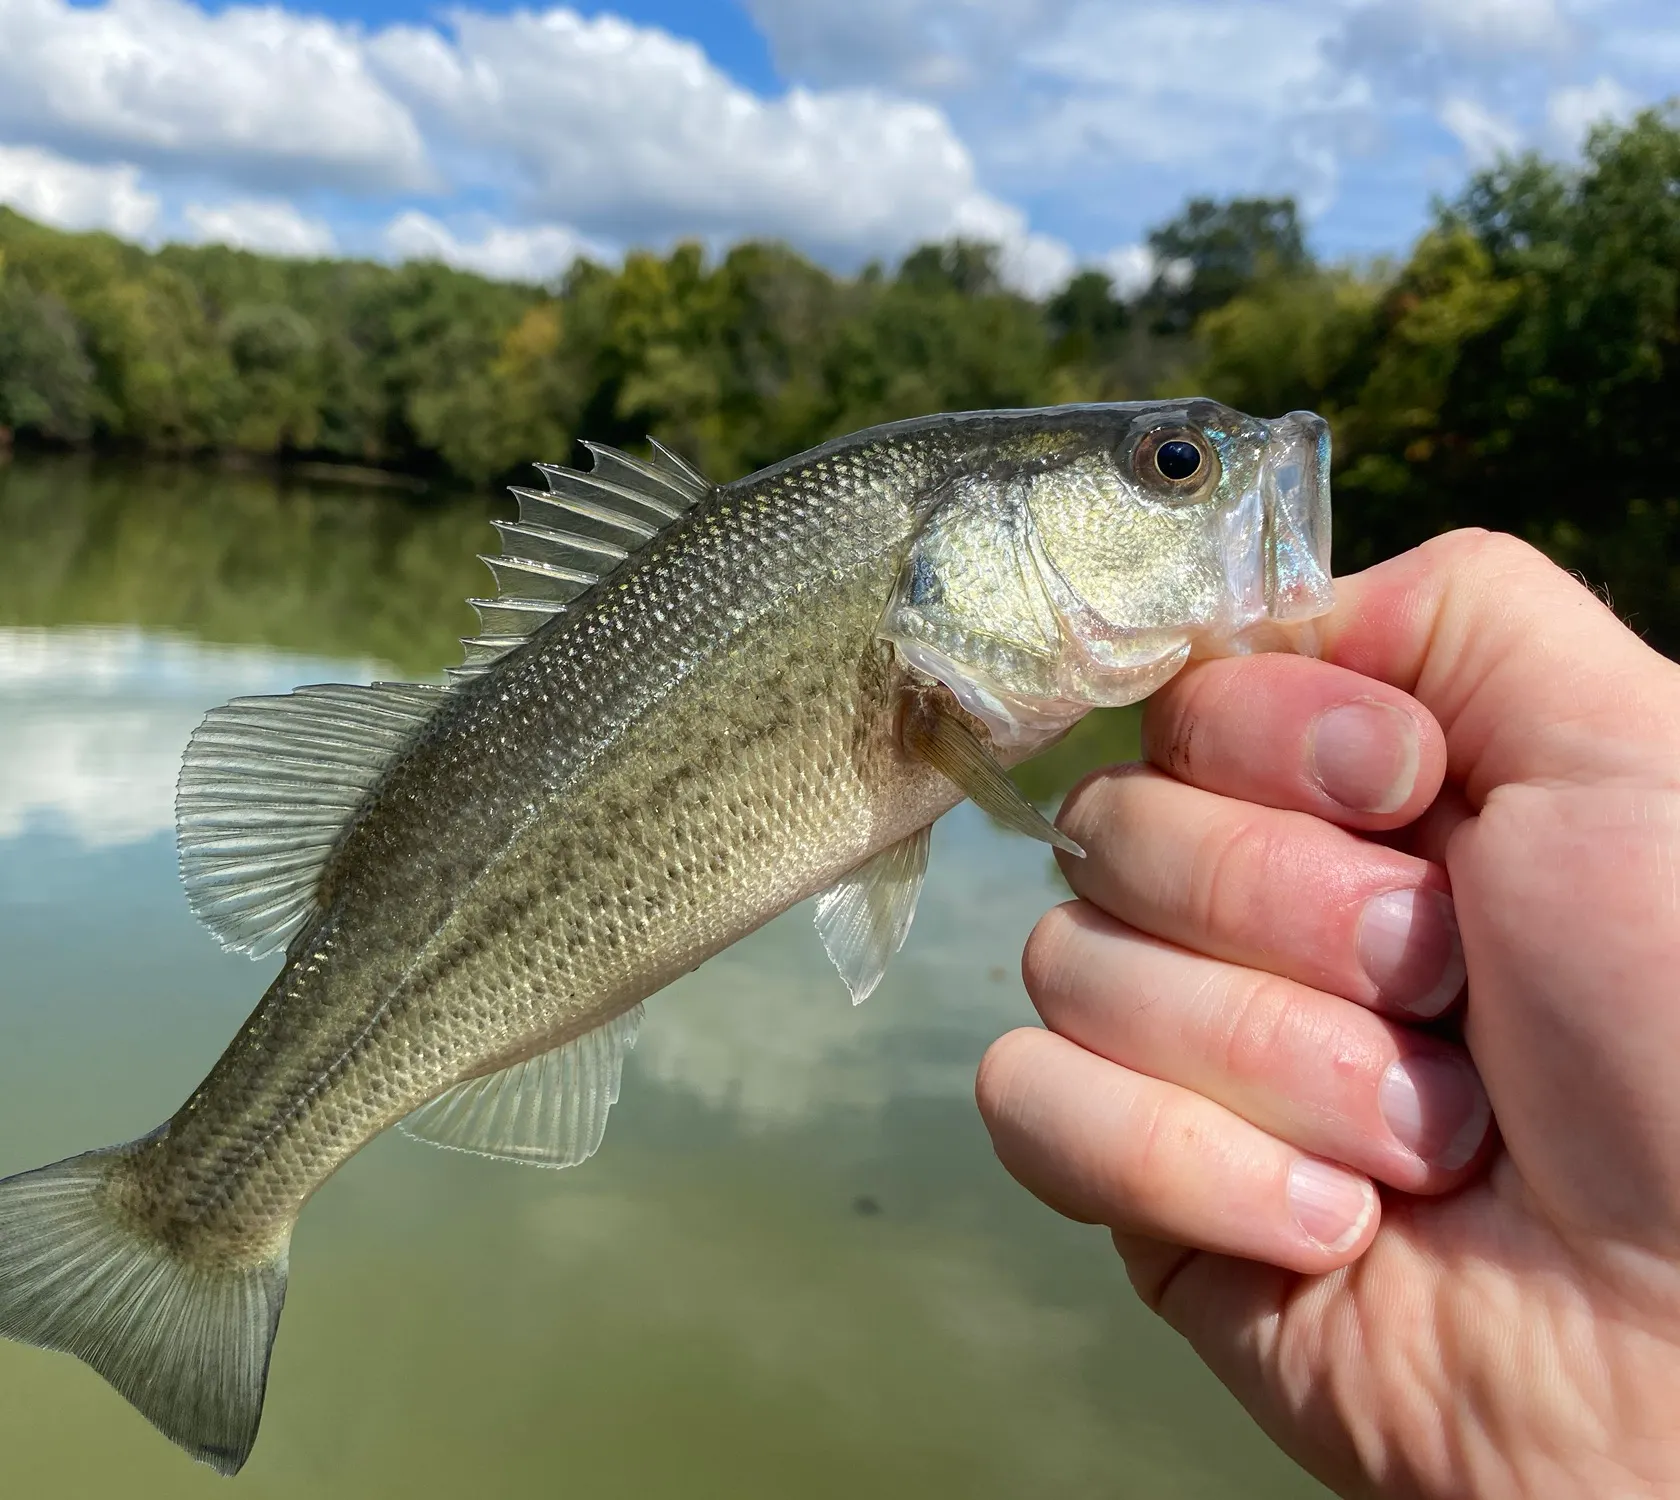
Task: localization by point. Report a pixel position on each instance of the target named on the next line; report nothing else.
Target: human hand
(1240, 1038)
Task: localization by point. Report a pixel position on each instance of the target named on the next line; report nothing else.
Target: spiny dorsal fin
(266, 788)
(567, 540)
(548, 1111)
(680, 469)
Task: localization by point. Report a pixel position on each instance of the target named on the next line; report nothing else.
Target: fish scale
(768, 696)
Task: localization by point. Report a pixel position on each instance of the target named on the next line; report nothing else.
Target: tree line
(1516, 369)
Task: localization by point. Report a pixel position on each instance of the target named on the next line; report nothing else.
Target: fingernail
(1331, 1206)
(1409, 947)
(1365, 756)
(1436, 1108)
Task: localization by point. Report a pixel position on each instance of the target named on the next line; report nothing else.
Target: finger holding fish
(1276, 890)
(1292, 732)
(1186, 1102)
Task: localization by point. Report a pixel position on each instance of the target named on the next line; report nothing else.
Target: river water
(794, 1269)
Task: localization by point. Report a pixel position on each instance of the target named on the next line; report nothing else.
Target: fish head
(1078, 557)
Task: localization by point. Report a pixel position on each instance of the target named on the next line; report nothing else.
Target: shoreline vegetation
(1517, 369)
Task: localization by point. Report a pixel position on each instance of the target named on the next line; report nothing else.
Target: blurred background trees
(1516, 369)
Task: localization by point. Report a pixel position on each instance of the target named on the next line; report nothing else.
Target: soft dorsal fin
(864, 917)
(548, 1111)
(266, 788)
(567, 539)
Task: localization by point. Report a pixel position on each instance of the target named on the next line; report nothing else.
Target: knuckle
(1240, 856)
(1164, 1138)
(1493, 552)
(1255, 1038)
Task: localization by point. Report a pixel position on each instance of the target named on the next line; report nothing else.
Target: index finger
(1532, 677)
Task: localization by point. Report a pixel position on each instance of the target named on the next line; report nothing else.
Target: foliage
(1516, 370)
(46, 381)
(1519, 371)
(1212, 251)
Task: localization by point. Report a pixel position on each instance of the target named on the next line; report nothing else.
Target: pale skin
(1430, 1238)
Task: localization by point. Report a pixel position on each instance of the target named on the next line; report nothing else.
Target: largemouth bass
(690, 707)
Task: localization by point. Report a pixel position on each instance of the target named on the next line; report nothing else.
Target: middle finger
(1325, 1076)
(1274, 890)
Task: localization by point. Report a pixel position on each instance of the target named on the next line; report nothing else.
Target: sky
(511, 140)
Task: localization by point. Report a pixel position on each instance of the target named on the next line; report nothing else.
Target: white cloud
(1484, 135)
(1505, 26)
(1109, 113)
(1424, 47)
(925, 45)
(635, 135)
(262, 95)
(1574, 109)
(1126, 110)
(69, 195)
(265, 224)
(1031, 263)
(1028, 122)
(507, 253)
(1132, 269)
(1161, 84)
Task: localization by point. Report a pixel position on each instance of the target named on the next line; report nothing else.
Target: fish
(689, 707)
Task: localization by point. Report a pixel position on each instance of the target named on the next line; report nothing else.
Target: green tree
(276, 357)
(46, 379)
(1086, 320)
(1213, 251)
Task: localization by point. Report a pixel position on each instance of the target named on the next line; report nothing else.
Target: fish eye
(1176, 463)
(1178, 460)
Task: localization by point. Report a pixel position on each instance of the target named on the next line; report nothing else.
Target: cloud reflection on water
(93, 722)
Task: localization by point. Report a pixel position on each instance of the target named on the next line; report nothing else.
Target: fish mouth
(1295, 491)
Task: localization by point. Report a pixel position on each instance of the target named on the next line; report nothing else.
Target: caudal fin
(188, 1345)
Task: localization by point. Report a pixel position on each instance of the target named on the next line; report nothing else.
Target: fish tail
(187, 1344)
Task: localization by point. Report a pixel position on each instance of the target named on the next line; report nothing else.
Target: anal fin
(864, 917)
(548, 1111)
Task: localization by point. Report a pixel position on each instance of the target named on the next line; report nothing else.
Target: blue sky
(512, 139)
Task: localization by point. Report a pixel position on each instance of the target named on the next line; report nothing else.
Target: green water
(794, 1269)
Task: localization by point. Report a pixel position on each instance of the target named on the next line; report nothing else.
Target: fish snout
(1295, 486)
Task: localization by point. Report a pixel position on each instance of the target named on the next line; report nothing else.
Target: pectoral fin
(864, 917)
(954, 750)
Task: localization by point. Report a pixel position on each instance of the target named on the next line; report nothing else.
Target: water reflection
(699, 1311)
(93, 721)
